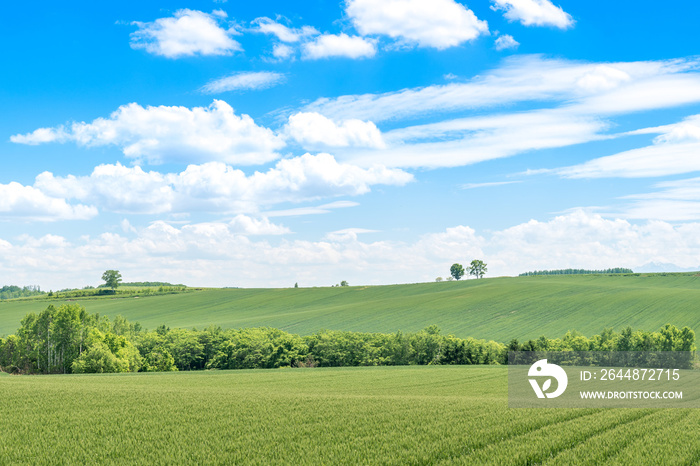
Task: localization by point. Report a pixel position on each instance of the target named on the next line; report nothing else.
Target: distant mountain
(656, 267)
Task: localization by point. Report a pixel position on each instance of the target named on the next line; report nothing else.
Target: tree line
(12, 291)
(576, 272)
(67, 339)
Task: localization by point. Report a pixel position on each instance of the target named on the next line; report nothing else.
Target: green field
(386, 415)
(492, 308)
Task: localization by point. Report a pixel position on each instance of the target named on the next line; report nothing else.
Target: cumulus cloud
(29, 203)
(216, 187)
(171, 134)
(186, 33)
(338, 45)
(439, 23)
(534, 13)
(217, 254)
(585, 240)
(244, 81)
(313, 130)
(505, 42)
(281, 32)
(347, 234)
(249, 226)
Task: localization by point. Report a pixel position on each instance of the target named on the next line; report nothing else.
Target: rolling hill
(492, 308)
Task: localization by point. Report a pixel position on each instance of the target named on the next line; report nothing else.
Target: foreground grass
(492, 308)
(388, 415)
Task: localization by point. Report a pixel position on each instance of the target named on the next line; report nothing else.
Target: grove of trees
(68, 339)
(12, 291)
(477, 268)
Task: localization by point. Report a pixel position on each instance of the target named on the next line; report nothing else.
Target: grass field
(492, 308)
(387, 415)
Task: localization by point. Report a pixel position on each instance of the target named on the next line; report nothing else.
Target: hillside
(493, 308)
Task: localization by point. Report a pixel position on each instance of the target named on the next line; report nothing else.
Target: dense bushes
(68, 339)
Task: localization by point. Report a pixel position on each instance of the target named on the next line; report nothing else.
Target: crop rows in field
(494, 309)
(388, 415)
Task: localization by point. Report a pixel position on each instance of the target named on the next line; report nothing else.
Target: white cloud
(186, 33)
(532, 78)
(114, 188)
(674, 151)
(253, 80)
(282, 32)
(216, 187)
(487, 185)
(534, 13)
(466, 141)
(313, 130)
(215, 254)
(341, 45)
(585, 240)
(347, 234)
(282, 51)
(171, 134)
(602, 78)
(28, 203)
(437, 23)
(571, 103)
(677, 200)
(245, 225)
(602, 88)
(505, 42)
(311, 210)
(127, 227)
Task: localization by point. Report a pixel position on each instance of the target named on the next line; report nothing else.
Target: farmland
(491, 308)
(391, 415)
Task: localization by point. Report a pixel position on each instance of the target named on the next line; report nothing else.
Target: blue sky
(261, 144)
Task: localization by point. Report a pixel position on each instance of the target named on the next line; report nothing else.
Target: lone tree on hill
(477, 268)
(457, 271)
(112, 278)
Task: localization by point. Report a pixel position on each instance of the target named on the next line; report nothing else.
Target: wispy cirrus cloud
(595, 87)
(674, 151)
(486, 185)
(243, 81)
(281, 32)
(568, 103)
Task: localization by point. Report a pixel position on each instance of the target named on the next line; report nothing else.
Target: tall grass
(383, 415)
